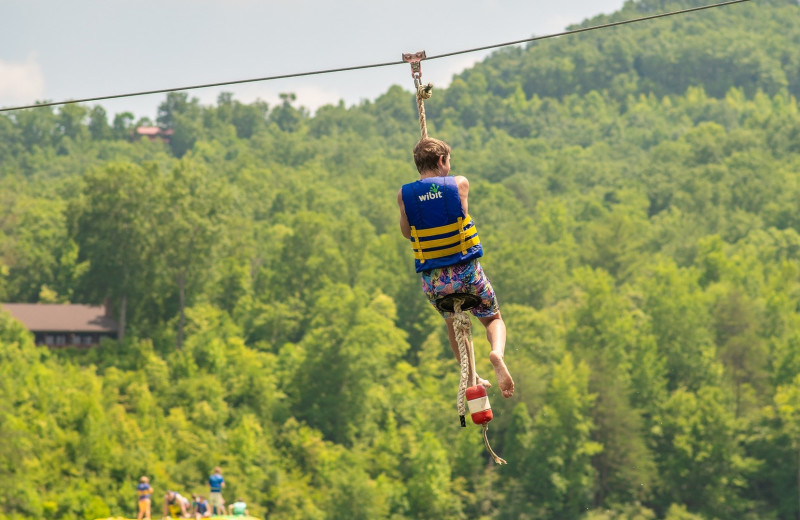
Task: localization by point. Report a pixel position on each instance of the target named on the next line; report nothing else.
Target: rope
(497, 459)
(423, 92)
(469, 376)
(461, 326)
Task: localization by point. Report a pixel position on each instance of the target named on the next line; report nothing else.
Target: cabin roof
(57, 317)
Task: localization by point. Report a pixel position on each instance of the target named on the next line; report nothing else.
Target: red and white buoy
(478, 402)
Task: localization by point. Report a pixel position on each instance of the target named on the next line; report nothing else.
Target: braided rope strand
(497, 459)
(422, 126)
(423, 92)
(461, 327)
(469, 377)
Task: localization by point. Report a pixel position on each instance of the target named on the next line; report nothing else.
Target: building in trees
(154, 133)
(64, 325)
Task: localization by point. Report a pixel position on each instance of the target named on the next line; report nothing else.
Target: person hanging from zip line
(434, 216)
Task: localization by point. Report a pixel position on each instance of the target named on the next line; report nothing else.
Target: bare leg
(451, 335)
(496, 334)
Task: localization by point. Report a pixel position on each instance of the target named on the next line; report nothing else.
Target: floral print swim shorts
(462, 278)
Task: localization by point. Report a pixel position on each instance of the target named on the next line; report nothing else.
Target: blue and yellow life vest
(441, 234)
(144, 491)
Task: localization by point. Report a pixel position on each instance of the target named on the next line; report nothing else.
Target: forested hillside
(637, 193)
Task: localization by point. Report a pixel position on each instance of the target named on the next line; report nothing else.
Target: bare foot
(503, 375)
(483, 382)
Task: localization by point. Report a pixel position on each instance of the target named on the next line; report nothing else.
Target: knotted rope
(462, 328)
(469, 377)
(423, 92)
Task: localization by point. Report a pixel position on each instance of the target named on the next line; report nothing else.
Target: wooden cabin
(153, 133)
(58, 325)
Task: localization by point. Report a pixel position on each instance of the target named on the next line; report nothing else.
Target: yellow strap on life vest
(441, 230)
(458, 248)
(441, 242)
(459, 241)
(415, 243)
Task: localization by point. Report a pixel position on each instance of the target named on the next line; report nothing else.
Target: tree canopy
(636, 190)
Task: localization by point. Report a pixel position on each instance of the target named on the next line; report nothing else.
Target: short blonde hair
(144, 480)
(427, 153)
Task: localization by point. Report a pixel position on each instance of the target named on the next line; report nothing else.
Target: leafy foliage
(637, 194)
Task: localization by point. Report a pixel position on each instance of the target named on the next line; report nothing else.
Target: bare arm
(405, 227)
(463, 192)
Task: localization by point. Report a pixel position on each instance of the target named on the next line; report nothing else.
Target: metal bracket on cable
(415, 59)
(423, 92)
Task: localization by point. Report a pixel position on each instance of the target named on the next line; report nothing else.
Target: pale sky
(57, 50)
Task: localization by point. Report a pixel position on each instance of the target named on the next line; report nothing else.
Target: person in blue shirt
(144, 491)
(434, 216)
(201, 508)
(195, 502)
(216, 483)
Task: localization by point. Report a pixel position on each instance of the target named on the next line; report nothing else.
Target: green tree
(38, 252)
(627, 376)
(741, 349)
(680, 322)
(560, 477)
(429, 495)
(339, 380)
(182, 115)
(98, 124)
(115, 231)
(287, 117)
(37, 127)
(70, 122)
(700, 460)
(123, 126)
(787, 405)
(190, 220)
